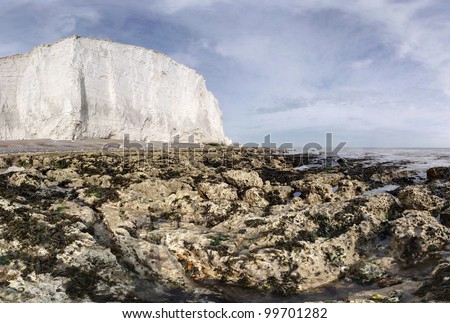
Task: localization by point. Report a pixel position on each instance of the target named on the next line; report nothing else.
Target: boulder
(221, 191)
(243, 179)
(420, 198)
(438, 173)
(416, 234)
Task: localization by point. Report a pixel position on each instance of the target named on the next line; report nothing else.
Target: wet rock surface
(237, 226)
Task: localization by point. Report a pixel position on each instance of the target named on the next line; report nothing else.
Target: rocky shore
(220, 225)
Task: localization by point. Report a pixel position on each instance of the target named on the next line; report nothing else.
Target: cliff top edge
(105, 40)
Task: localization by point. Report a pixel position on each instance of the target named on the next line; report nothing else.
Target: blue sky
(375, 73)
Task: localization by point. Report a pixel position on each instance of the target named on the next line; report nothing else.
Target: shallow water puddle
(384, 189)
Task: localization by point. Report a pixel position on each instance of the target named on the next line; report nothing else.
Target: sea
(416, 159)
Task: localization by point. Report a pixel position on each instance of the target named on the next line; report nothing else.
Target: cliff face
(88, 88)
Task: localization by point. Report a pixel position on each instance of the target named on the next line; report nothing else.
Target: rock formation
(80, 227)
(89, 88)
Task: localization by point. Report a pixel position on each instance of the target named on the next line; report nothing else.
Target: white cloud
(363, 63)
(174, 6)
(185, 59)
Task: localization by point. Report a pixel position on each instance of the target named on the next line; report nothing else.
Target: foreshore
(219, 225)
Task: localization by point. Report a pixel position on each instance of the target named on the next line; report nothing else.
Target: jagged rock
(104, 278)
(314, 199)
(445, 217)
(94, 88)
(221, 191)
(416, 234)
(3, 164)
(62, 175)
(437, 288)
(324, 178)
(149, 259)
(347, 189)
(46, 161)
(271, 251)
(255, 197)
(280, 194)
(438, 173)
(19, 179)
(277, 163)
(385, 176)
(420, 198)
(174, 223)
(41, 288)
(101, 181)
(441, 188)
(329, 188)
(213, 213)
(82, 213)
(37, 163)
(321, 189)
(243, 179)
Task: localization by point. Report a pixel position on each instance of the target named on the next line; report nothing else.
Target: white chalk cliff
(89, 88)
